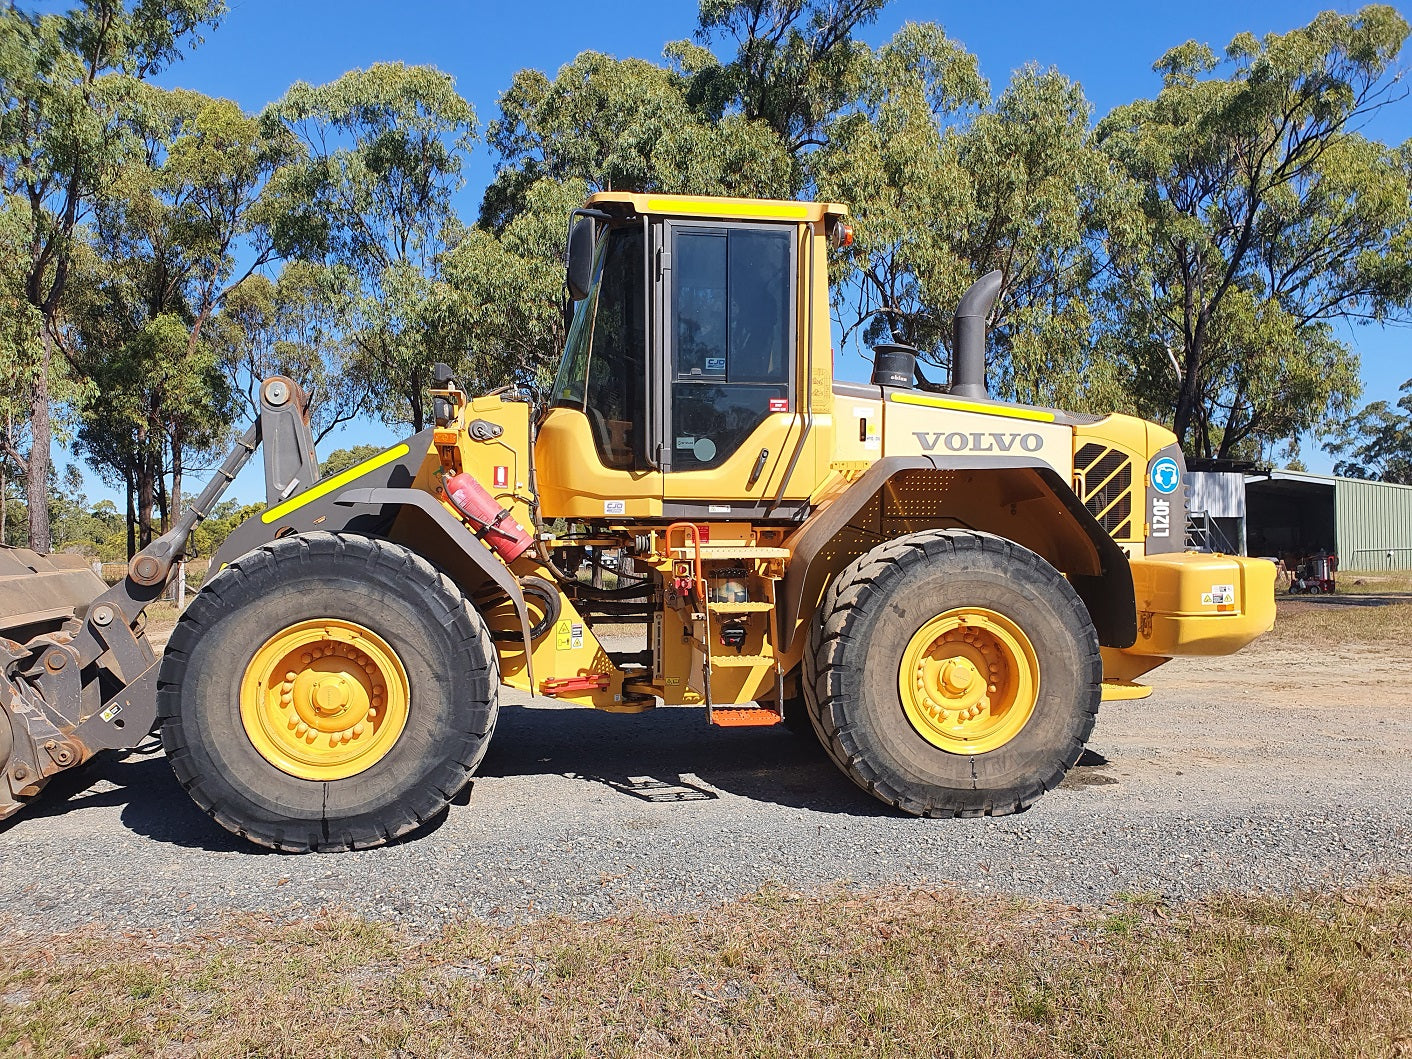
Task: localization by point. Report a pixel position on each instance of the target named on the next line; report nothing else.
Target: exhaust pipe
(968, 336)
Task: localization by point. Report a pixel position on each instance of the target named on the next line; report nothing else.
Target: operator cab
(684, 361)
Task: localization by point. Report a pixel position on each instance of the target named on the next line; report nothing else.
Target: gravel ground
(1274, 770)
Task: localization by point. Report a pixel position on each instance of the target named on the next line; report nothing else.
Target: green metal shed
(1368, 525)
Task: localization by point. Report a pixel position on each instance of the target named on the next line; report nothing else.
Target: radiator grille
(1105, 480)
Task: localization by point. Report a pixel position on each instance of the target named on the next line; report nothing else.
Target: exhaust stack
(968, 336)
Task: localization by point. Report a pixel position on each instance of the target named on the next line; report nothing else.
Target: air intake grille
(1105, 480)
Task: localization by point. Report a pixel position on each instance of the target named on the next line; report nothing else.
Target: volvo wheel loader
(941, 585)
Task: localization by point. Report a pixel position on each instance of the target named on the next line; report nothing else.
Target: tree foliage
(68, 84)
(1376, 442)
(1265, 216)
(1192, 257)
(169, 221)
(385, 148)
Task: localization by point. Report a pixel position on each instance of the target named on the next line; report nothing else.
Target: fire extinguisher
(506, 537)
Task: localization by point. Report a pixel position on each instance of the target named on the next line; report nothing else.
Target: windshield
(604, 371)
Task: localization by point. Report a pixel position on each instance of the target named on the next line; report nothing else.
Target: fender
(367, 499)
(1096, 566)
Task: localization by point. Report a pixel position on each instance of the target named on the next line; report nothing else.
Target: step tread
(742, 661)
(732, 551)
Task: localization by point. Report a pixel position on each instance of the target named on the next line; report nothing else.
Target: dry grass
(1324, 623)
(893, 973)
(1365, 582)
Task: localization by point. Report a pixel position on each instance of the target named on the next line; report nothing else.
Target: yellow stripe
(788, 211)
(338, 481)
(1006, 411)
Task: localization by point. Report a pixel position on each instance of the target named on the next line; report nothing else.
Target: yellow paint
(1005, 411)
(785, 211)
(1115, 690)
(329, 485)
(1173, 620)
(324, 699)
(573, 483)
(969, 680)
(704, 206)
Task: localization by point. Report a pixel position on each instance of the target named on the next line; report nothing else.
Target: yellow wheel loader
(942, 586)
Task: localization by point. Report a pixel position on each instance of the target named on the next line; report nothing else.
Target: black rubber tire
(443, 644)
(868, 615)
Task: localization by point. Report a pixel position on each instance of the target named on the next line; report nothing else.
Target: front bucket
(38, 593)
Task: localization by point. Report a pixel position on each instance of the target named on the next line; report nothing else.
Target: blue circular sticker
(1166, 475)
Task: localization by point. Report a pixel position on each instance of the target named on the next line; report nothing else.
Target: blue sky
(264, 45)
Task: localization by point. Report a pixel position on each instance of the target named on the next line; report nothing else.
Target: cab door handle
(759, 466)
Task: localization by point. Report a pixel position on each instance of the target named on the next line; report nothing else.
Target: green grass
(890, 973)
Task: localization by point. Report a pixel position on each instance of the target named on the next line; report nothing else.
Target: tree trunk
(131, 519)
(41, 433)
(176, 478)
(146, 496)
(163, 508)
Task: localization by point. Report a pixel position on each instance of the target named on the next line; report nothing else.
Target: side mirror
(578, 263)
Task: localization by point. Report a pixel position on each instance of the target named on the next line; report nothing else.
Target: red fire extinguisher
(506, 537)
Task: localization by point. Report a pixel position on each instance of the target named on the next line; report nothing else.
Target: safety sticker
(1220, 595)
(112, 711)
(563, 633)
(615, 507)
(779, 404)
(576, 636)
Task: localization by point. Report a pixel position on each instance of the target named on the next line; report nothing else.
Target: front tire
(953, 673)
(327, 691)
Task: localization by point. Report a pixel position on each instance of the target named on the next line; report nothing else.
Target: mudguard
(1095, 564)
(374, 498)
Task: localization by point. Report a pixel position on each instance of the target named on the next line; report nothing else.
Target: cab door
(728, 313)
(594, 451)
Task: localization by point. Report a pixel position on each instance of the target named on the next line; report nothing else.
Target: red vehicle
(1314, 573)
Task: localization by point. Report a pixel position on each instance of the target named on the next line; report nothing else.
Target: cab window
(732, 344)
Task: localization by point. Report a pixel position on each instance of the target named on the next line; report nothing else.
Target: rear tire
(244, 769)
(873, 633)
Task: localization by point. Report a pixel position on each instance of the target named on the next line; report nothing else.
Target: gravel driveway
(1271, 770)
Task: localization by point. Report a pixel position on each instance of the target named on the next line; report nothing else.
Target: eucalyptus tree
(293, 325)
(168, 231)
(384, 153)
(1265, 217)
(67, 85)
(1376, 441)
(624, 125)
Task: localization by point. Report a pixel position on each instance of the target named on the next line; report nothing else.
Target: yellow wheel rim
(969, 680)
(324, 699)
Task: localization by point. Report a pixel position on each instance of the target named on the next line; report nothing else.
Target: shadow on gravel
(1347, 599)
(672, 754)
(153, 803)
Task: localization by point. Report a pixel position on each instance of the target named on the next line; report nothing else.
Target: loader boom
(77, 673)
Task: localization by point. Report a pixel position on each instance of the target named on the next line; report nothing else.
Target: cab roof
(724, 208)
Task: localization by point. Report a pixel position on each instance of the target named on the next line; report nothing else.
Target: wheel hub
(968, 680)
(324, 699)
